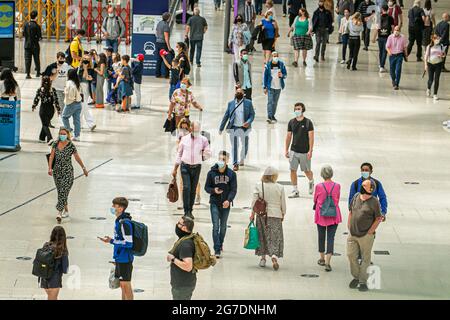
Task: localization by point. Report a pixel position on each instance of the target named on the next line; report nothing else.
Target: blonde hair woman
(270, 228)
(355, 27)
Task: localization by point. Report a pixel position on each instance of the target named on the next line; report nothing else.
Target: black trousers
(329, 232)
(354, 43)
(190, 176)
(32, 54)
(46, 114)
(248, 93)
(291, 18)
(415, 35)
(434, 73)
(366, 33)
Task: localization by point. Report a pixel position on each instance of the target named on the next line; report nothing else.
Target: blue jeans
(113, 43)
(198, 56)
(237, 134)
(160, 66)
(344, 39)
(219, 217)
(273, 96)
(72, 110)
(383, 53)
(395, 63)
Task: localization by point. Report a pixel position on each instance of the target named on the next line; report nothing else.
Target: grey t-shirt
(162, 27)
(197, 25)
(364, 214)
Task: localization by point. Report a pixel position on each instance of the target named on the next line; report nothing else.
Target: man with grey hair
(162, 42)
(113, 30)
(195, 29)
(416, 17)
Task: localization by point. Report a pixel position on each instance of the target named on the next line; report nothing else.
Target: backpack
(328, 208)
(68, 53)
(202, 256)
(44, 262)
(140, 238)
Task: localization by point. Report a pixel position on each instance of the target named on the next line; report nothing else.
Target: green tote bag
(251, 240)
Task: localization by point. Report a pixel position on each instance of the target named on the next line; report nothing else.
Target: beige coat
(274, 196)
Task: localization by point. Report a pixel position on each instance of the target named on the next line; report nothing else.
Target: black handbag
(48, 159)
(170, 125)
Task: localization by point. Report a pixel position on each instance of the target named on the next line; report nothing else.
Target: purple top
(320, 196)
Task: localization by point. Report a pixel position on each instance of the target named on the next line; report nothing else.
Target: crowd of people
(78, 75)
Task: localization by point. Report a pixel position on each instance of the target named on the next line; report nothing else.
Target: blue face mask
(112, 211)
(62, 137)
(275, 59)
(221, 164)
(183, 86)
(298, 113)
(365, 175)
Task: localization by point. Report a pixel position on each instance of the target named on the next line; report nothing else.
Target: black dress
(49, 101)
(61, 267)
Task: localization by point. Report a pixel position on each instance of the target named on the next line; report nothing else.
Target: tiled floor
(358, 117)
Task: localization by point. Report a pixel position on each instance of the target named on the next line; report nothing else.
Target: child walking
(124, 85)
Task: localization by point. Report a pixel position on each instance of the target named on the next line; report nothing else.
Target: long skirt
(270, 237)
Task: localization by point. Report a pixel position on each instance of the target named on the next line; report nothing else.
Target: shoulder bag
(260, 206)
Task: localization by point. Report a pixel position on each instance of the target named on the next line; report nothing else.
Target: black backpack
(44, 262)
(140, 238)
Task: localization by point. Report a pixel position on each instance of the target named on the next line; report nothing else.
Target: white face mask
(111, 15)
(390, 3)
(396, 33)
(436, 42)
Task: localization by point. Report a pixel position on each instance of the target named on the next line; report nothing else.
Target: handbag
(172, 192)
(260, 206)
(114, 282)
(251, 240)
(170, 125)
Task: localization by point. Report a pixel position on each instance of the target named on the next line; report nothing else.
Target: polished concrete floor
(357, 117)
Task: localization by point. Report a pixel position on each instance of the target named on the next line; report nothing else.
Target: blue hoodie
(267, 81)
(123, 239)
(224, 181)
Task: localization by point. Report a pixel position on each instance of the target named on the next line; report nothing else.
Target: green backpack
(203, 259)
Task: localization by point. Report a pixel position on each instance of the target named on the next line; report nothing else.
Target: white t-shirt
(276, 83)
(61, 78)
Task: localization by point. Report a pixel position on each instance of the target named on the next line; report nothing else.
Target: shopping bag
(114, 282)
(251, 240)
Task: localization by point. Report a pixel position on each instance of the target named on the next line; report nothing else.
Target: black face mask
(321, 6)
(85, 62)
(180, 233)
(60, 62)
(239, 96)
(239, 20)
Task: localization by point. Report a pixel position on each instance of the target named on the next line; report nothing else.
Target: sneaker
(51, 126)
(28, 76)
(342, 62)
(304, 63)
(274, 120)
(294, 194)
(366, 49)
(428, 93)
(50, 142)
(311, 187)
(93, 127)
(382, 70)
(435, 97)
(217, 254)
(197, 200)
(353, 284)
(59, 218)
(396, 88)
(295, 64)
(363, 287)
(269, 121)
(135, 107)
(65, 214)
(354, 69)
(42, 141)
(316, 59)
(262, 263)
(76, 139)
(199, 65)
(284, 15)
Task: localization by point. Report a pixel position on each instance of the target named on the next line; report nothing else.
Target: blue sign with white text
(9, 125)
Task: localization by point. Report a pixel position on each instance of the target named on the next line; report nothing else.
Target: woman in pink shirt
(327, 218)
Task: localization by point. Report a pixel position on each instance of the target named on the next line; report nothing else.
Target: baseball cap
(140, 57)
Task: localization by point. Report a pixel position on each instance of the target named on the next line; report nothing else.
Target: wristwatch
(173, 260)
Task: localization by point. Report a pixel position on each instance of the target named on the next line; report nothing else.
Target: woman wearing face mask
(271, 33)
(181, 102)
(86, 74)
(355, 27)
(270, 228)
(60, 167)
(301, 40)
(395, 11)
(236, 41)
(101, 75)
(183, 59)
(49, 101)
(434, 63)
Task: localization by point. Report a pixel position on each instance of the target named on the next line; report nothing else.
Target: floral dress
(183, 102)
(63, 172)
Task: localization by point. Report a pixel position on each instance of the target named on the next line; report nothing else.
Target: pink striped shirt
(320, 196)
(396, 44)
(192, 150)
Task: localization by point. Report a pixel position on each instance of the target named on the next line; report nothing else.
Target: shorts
(124, 271)
(301, 159)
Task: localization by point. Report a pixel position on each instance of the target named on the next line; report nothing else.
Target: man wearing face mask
(238, 122)
(363, 219)
(221, 184)
(113, 30)
(301, 134)
(123, 246)
(274, 74)
(182, 278)
(322, 25)
(395, 11)
(378, 192)
(193, 149)
(242, 71)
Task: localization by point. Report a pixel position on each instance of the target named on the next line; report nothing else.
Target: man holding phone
(274, 75)
(123, 246)
(221, 184)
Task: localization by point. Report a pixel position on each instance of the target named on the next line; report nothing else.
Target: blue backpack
(328, 208)
(140, 238)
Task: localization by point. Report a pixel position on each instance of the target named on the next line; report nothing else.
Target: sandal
(321, 262)
(328, 268)
(275, 264)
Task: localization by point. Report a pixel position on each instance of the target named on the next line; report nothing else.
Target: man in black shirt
(33, 34)
(384, 31)
(294, 7)
(442, 30)
(366, 16)
(322, 26)
(301, 133)
(183, 277)
(416, 17)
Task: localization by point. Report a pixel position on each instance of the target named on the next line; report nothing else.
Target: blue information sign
(9, 125)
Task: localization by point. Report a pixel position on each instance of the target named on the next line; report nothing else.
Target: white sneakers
(382, 70)
(342, 61)
(65, 214)
(294, 194)
(428, 93)
(76, 139)
(435, 97)
(311, 187)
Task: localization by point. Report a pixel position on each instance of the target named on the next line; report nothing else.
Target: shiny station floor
(357, 116)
